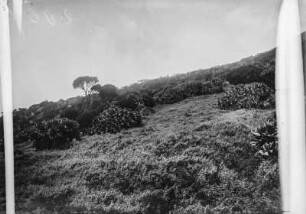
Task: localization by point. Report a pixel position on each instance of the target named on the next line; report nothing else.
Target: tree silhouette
(85, 83)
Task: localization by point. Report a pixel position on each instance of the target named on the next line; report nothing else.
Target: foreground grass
(189, 157)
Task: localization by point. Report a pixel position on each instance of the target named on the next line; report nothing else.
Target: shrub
(217, 85)
(254, 95)
(85, 119)
(133, 101)
(189, 89)
(108, 92)
(22, 135)
(115, 119)
(207, 88)
(147, 100)
(54, 134)
(70, 113)
(265, 140)
(170, 95)
(129, 101)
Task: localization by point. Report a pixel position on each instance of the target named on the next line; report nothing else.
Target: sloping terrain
(258, 68)
(188, 157)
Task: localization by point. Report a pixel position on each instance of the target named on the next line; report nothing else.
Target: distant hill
(258, 68)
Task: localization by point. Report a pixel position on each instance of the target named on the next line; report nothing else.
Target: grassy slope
(189, 154)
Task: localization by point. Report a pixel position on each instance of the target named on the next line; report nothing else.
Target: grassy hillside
(188, 157)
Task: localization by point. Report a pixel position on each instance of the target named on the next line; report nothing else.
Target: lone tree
(85, 83)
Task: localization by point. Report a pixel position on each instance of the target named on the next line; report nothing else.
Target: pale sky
(123, 41)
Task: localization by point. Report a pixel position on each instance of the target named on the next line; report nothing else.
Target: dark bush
(217, 85)
(254, 95)
(265, 140)
(85, 119)
(147, 100)
(189, 89)
(22, 135)
(128, 101)
(70, 113)
(108, 92)
(170, 95)
(115, 119)
(54, 134)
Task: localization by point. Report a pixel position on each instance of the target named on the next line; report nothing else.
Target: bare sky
(123, 41)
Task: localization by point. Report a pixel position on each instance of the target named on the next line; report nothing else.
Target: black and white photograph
(150, 106)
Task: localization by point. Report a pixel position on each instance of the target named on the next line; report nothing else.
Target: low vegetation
(54, 134)
(253, 95)
(178, 93)
(115, 119)
(265, 140)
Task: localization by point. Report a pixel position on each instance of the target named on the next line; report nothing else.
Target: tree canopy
(85, 83)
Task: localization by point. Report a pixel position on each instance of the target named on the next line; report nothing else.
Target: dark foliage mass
(253, 95)
(134, 100)
(115, 119)
(108, 92)
(54, 134)
(259, 68)
(85, 118)
(147, 100)
(70, 113)
(129, 101)
(194, 88)
(265, 140)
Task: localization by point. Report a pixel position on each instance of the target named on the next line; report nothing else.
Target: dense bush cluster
(115, 119)
(128, 101)
(86, 116)
(22, 135)
(265, 140)
(133, 100)
(194, 88)
(106, 92)
(147, 100)
(254, 95)
(70, 113)
(54, 134)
